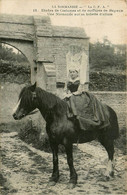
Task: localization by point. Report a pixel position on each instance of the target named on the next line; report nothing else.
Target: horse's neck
(49, 104)
(45, 102)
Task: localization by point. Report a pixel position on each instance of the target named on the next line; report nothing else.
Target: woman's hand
(77, 93)
(67, 95)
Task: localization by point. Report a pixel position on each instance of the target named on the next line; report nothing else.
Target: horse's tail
(114, 126)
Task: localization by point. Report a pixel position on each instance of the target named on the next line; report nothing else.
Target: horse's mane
(52, 101)
(49, 100)
(26, 96)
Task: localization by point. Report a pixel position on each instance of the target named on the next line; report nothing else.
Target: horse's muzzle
(15, 116)
(18, 117)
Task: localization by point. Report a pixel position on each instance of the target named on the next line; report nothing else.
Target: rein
(33, 112)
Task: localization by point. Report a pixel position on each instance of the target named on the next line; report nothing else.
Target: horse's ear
(33, 87)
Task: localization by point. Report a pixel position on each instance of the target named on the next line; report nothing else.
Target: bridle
(34, 95)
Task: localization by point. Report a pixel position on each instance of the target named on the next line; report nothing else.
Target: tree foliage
(103, 56)
(7, 53)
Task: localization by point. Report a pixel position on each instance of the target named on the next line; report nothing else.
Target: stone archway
(27, 50)
(45, 46)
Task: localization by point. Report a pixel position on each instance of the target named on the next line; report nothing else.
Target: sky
(114, 27)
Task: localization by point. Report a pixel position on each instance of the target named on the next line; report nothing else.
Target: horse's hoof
(51, 183)
(112, 174)
(107, 177)
(71, 186)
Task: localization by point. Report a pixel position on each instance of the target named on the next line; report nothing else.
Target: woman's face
(73, 74)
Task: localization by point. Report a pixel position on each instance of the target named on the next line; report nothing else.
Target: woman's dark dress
(90, 113)
(73, 86)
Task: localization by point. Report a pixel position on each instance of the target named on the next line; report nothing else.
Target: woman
(74, 85)
(77, 69)
(83, 107)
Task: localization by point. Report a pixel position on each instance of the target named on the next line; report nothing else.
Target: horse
(63, 130)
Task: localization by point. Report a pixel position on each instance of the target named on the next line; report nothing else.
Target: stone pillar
(33, 72)
(41, 77)
(43, 48)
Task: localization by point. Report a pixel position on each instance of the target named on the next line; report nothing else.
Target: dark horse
(62, 130)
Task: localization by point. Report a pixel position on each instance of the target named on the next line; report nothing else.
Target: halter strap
(34, 95)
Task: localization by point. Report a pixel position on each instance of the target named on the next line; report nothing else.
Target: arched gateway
(44, 45)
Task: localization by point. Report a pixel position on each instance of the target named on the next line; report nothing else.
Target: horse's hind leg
(73, 174)
(109, 146)
(55, 174)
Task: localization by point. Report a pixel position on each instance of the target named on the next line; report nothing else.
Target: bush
(14, 72)
(31, 134)
(100, 81)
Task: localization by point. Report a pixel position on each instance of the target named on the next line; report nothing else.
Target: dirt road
(26, 170)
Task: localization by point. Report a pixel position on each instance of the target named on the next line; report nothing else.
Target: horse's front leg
(55, 174)
(73, 174)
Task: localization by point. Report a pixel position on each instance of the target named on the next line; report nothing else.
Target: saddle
(89, 111)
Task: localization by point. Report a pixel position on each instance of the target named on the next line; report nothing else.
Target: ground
(26, 170)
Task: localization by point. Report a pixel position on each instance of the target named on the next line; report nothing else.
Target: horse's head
(26, 103)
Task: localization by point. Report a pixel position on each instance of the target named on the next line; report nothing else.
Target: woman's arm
(66, 90)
